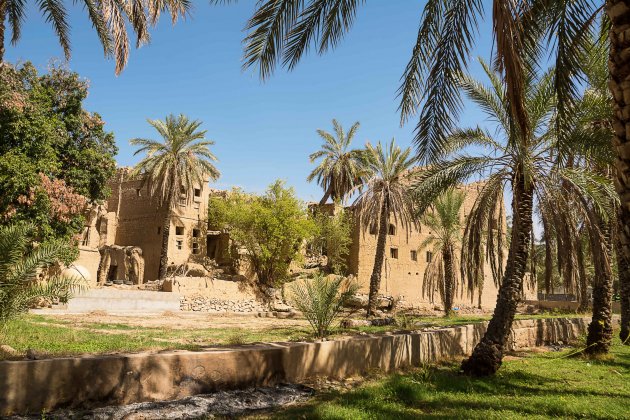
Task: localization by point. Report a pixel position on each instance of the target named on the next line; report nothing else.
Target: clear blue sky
(263, 131)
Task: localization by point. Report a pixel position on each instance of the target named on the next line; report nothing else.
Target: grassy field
(534, 386)
(54, 337)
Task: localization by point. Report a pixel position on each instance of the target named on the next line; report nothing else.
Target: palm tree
(21, 263)
(527, 163)
(108, 17)
(446, 227)
(176, 165)
(339, 170)
(385, 194)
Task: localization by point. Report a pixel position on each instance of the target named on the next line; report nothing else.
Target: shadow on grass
(536, 387)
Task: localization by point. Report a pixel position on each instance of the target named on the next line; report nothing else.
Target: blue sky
(263, 131)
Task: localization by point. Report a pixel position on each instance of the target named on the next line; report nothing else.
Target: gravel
(222, 404)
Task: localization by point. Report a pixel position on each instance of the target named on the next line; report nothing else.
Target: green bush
(321, 300)
(21, 265)
(334, 238)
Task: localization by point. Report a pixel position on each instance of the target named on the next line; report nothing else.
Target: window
(414, 255)
(195, 248)
(393, 253)
(179, 230)
(195, 233)
(180, 244)
(197, 192)
(373, 229)
(429, 256)
(86, 236)
(138, 192)
(391, 230)
(159, 229)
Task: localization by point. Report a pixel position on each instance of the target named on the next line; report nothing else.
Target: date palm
(177, 164)
(340, 168)
(385, 195)
(444, 222)
(527, 164)
(21, 263)
(109, 19)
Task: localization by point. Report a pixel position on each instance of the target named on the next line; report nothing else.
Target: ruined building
(123, 238)
(130, 224)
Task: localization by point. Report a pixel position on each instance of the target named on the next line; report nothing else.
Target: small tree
(334, 238)
(21, 263)
(446, 227)
(271, 227)
(321, 299)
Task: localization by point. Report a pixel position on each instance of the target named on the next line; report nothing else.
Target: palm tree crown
(340, 168)
(181, 159)
(108, 17)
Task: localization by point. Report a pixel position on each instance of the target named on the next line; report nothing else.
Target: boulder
(353, 323)
(356, 301)
(281, 307)
(7, 351)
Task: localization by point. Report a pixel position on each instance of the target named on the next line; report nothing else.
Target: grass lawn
(536, 386)
(52, 336)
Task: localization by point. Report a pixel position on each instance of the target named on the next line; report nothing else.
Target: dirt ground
(182, 320)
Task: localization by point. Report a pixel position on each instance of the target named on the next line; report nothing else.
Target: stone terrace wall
(36, 385)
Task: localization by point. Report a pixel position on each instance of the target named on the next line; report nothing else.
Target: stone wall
(36, 385)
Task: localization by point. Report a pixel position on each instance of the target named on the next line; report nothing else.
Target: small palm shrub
(321, 299)
(21, 263)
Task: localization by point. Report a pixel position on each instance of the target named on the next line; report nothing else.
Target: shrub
(21, 263)
(271, 227)
(334, 238)
(321, 299)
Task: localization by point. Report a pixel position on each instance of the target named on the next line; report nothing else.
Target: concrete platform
(31, 386)
(119, 301)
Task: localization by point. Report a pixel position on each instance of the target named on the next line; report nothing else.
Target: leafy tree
(524, 161)
(271, 228)
(446, 230)
(340, 169)
(54, 155)
(176, 165)
(334, 237)
(321, 300)
(21, 263)
(386, 193)
(109, 19)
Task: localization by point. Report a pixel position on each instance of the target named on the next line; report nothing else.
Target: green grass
(538, 386)
(55, 337)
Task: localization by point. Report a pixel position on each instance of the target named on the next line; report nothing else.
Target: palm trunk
(326, 196)
(449, 279)
(582, 281)
(488, 354)
(619, 65)
(600, 330)
(623, 268)
(166, 229)
(548, 259)
(379, 258)
(3, 13)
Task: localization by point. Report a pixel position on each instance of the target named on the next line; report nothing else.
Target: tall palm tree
(21, 263)
(445, 225)
(525, 162)
(108, 17)
(619, 15)
(177, 164)
(386, 194)
(339, 170)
